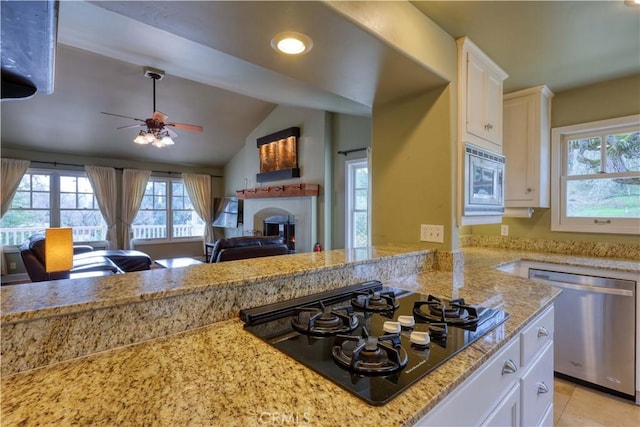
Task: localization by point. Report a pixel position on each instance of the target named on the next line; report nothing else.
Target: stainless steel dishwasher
(594, 335)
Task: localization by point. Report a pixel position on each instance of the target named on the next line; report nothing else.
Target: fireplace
(301, 210)
(283, 226)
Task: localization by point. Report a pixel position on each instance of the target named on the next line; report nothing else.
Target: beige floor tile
(563, 387)
(562, 391)
(587, 407)
(559, 403)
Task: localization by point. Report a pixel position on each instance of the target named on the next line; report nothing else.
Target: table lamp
(58, 249)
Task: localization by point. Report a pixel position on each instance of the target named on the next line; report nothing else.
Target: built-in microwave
(483, 182)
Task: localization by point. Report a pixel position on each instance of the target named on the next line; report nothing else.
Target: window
(53, 199)
(79, 209)
(166, 212)
(358, 198)
(596, 177)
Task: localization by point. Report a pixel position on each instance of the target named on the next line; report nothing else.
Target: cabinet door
(508, 411)
(493, 110)
(536, 388)
(519, 184)
(476, 76)
(526, 135)
(484, 103)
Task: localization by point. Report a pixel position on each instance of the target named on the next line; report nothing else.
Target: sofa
(235, 248)
(85, 260)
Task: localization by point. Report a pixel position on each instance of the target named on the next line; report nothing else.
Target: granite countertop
(222, 375)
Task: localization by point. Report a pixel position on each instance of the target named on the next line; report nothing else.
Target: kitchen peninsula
(214, 372)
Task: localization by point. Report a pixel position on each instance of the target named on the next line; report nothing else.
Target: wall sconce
(58, 249)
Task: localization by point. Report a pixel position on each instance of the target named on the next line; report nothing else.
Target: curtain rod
(344, 153)
(81, 166)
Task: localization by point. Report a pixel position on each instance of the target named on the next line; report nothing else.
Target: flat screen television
(227, 212)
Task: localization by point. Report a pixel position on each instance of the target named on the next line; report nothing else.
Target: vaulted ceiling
(221, 72)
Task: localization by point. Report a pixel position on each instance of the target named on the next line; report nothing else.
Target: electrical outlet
(12, 266)
(504, 230)
(432, 233)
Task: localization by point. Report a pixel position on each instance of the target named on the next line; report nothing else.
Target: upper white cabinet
(480, 97)
(527, 116)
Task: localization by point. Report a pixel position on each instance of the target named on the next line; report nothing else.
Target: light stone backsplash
(52, 333)
(591, 249)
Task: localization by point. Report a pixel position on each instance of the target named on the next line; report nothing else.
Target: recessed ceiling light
(291, 43)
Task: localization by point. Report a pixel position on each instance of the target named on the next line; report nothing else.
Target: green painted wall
(348, 133)
(615, 98)
(413, 168)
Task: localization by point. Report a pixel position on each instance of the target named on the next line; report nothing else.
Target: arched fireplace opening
(283, 226)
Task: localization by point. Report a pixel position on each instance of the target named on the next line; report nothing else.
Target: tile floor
(579, 406)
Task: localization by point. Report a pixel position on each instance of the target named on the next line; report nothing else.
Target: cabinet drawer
(536, 387)
(475, 399)
(536, 336)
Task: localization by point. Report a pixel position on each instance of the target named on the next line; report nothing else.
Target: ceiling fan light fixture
(166, 139)
(156, 134)
(141, 138)
(291, 43)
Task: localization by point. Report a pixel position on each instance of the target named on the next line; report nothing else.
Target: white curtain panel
(199, 190)
(103, 182)
(134, 182)
(12, 173)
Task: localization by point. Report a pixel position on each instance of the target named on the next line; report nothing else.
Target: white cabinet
(536, 387)
(513, 388)
(480, 97)
(526, 146)
(536, 383)
(481, 394)
(507, 414)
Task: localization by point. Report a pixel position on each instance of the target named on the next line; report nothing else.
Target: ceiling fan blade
(185, 126)
(130, 126)
(119, 115)
(172, 134)
(159, 116)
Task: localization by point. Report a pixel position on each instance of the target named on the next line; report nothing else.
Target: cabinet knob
(542, 332)
(542, 388)
(530, 190)
(509, 367)
(488, 126)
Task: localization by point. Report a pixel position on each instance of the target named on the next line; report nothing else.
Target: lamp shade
(58, 249)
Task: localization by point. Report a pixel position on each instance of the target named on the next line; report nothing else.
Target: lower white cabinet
(507, 414)
(513, 388)
(536, 387)
(536, 383)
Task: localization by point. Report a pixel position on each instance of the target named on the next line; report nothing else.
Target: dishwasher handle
(543, 277)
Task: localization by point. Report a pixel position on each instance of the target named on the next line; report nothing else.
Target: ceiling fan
(158, 132)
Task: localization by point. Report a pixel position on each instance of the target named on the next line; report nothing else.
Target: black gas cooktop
(374, 341)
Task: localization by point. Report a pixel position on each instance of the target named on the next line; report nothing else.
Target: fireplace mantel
(293, 190)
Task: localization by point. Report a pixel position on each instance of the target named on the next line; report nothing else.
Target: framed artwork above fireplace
(279, 155)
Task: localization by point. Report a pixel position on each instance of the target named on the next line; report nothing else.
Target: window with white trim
(166, 212)
(53, 199)
(357, 201)
(595, 178)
